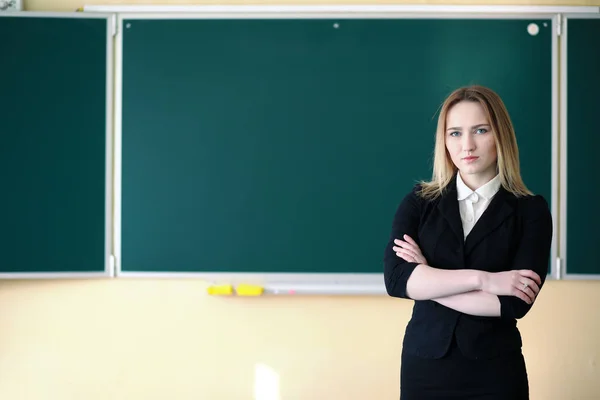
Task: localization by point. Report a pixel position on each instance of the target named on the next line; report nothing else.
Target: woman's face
(470, 142)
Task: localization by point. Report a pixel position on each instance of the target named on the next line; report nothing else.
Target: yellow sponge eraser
(220, 290)
(249, 290)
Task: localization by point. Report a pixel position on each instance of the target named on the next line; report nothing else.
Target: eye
(481, 130)
(454, 134)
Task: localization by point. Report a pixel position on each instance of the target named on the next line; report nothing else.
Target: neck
(475, 181)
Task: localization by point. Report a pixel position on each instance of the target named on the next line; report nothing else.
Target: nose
(468, 142)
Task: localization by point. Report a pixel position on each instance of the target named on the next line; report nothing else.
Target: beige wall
(165, 339)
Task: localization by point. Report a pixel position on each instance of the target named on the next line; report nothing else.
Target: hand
(523, 284)
(409, 250)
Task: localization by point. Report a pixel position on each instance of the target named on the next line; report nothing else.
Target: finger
(522, 295)
(522, 282)
(414, 250)
(410, 240)
(530, 284)
(531, 274)
(532, 295)
(413, 245)
(529, 293)
(418, 258)
(525, 294)
(527, 289)
(405, 252)
(405, 257)
(396, 248)
(406, 245)
(408, 256)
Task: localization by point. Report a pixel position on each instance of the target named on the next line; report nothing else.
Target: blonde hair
(504, 137)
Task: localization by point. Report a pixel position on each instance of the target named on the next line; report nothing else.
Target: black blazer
(512, 233)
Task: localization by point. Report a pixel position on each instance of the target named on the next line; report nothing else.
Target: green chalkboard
(53, 156)
(582, 143)
(285, 145)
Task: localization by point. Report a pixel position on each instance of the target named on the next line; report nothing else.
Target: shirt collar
(486, 191)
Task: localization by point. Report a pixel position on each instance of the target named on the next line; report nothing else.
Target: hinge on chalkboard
(112, 264)
(114, 25)
(559, 24)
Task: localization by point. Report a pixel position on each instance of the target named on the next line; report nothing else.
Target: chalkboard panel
(55, 118)
(284, 145)
(581, 50)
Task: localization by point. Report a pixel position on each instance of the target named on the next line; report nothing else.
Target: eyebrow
(473, 127)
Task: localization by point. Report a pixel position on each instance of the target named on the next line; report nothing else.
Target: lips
(471, 158)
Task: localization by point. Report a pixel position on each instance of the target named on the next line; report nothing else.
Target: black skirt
(456, 377)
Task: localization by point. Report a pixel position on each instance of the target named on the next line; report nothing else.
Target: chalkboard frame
(564, 141)
(108, 270)
(315, 282)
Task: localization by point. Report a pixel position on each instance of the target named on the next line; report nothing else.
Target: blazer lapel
(448, 206)
(497, 211)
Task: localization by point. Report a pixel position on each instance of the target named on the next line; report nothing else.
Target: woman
(471, 247)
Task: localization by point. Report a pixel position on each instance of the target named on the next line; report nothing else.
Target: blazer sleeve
(533, 252)
(397, 270)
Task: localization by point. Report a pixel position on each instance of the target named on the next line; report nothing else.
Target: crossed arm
(469, 291)
(461, 290)
(503, 294)
(477, 303)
